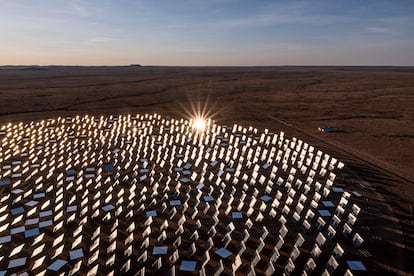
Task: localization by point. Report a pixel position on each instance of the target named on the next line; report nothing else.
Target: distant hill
(34, 68)
(24, 68)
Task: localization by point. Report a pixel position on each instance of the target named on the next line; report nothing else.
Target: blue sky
(207, 32)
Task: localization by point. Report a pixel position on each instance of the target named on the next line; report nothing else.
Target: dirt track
(373, 108)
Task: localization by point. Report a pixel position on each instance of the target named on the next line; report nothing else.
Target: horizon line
(154, 65)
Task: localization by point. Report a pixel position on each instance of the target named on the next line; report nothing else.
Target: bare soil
(373, 108)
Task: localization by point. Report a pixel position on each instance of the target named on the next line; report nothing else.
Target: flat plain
(372, 107)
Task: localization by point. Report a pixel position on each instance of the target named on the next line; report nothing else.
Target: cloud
(195, 50)
(103, 39)
(379, 30)
(278, 14)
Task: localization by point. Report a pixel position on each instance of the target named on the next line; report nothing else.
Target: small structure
(328, 129)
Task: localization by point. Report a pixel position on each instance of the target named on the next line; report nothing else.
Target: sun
(200, 111)
(199, 123)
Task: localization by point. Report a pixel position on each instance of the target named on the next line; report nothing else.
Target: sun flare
(199, 123)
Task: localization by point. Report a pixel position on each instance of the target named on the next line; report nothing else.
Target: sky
(207, 32)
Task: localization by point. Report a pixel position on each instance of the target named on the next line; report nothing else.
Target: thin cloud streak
(379, 30)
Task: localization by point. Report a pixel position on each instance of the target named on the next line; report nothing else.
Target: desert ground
(372, 107)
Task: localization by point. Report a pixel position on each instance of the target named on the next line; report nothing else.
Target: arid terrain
(372, 107)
